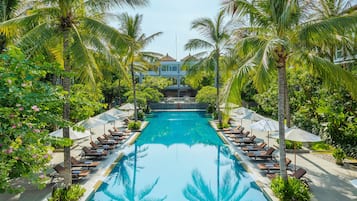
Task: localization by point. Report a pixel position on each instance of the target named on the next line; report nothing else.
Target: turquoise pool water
(178, 157)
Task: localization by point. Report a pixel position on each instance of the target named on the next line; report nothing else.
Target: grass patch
(321, 146)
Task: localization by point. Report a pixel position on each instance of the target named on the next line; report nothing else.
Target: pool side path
(327, 181)
(262, 182)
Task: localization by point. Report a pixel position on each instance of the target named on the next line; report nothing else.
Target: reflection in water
(178, 157)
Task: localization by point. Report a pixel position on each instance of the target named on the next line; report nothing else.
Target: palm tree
(7, 11)
(131, 26)
(216, 35)
(278, 39)
(71, 30)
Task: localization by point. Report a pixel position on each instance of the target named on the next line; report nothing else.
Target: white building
(172, 69)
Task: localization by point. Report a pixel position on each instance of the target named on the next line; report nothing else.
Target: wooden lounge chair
(244, 141)
(259, 147)
(94, 153)
(236, 136)
(234, 131)
(105, 147)
(298, 174)
(87, 164)
(103, 141)
(117, 138)
(268, 154)
(272, 166)
(118, 133)
(76, 174)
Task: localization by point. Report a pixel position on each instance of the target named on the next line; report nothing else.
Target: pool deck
(328, 181)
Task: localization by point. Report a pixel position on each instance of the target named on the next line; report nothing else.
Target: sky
(173, 18)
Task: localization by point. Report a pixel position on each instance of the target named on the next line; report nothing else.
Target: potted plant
(339, 155)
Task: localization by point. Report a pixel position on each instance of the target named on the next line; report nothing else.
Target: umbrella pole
(90, 131)
(268, 138)
(295, 156)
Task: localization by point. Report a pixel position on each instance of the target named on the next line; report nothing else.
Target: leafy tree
(71, 30)
(278, 40)
(158, 83)
(216, 35)
(206, 95)
(85, 102)
(130, 26)
(7, 11)
(26, 112)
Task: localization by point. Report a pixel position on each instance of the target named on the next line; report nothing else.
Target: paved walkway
(328, 181)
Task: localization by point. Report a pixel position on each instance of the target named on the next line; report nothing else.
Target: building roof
(167, 58)
(188, 58)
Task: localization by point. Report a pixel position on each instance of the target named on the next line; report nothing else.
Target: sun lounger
(76, 174)
(87, 164)
(106, 142)
(268, 154)
(259, 147)
(105, 146)
(235, 136)
(272, 166)
(115, 137)
(99, 153)
(244, 141)
(298, 174)
(234, 131)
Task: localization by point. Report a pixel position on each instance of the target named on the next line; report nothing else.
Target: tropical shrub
(85, 101)
(134, 125)
(294, 189)
(71, 193)
(339, 155)
(27, 111)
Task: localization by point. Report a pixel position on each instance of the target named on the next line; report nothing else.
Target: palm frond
(198, 44)
(104, 5)
(35, 40)
(107, 33)
(316, 30)
(331, 74)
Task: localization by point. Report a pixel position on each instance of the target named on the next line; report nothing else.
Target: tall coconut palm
(71, 29)
(135, 56)
(278, 39)
(7, 11)
(216, 34)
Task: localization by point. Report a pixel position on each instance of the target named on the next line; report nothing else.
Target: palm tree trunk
(134, 90)
(66, 109)
(217, 86)
(281, 83)
(286, 102)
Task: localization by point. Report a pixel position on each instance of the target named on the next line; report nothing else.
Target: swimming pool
(178, 157)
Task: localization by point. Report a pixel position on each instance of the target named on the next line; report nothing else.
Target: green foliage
(85, 101)
(134, 125)
(294, 189)
(207, 95)
(328, 112)
(27, 110)
(71, 193)
(144, 96)
(141, 115)
(321, 146)
(158, 83)
(339, 155)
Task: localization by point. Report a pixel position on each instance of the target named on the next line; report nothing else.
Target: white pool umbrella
(74, 135)
(354, 182)
(127, 106)
(106, 117)
(115, 112)
(266, 125)
(299, 135)
(92, 123)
